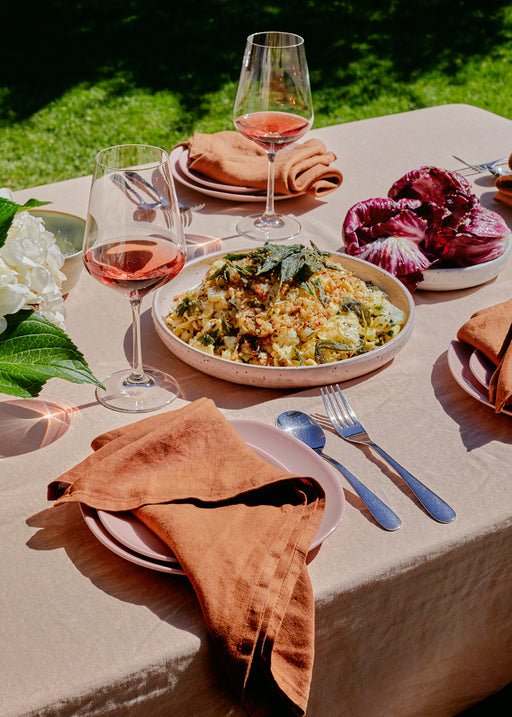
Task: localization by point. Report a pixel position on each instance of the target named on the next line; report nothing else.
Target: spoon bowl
(303, 427)
(310, 432)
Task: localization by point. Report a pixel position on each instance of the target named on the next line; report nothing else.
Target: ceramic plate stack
(126, 536)
(472, 371)
(205, 185)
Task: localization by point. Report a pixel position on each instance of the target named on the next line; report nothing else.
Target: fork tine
(339, 410)
(329, 408)
(467, 171)
(346, 404)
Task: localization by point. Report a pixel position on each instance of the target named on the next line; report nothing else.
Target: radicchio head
(431, 216)
(388, 233)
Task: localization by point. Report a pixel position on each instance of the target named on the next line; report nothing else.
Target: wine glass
(273, 107)
(134, 243)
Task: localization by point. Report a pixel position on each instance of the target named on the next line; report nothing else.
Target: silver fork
(485, 166)
(348, 426)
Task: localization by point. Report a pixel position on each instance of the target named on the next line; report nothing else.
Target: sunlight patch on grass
(60, 141)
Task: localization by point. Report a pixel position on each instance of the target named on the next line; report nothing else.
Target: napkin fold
(230, 158)
(241, 529)
(503, 185)
(490, 331)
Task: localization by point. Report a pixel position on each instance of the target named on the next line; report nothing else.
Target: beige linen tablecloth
(408, 624)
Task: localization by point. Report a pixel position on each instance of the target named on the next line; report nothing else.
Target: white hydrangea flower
(30, 269)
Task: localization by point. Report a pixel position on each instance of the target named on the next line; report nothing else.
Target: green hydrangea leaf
(33, 350)
(8, 209)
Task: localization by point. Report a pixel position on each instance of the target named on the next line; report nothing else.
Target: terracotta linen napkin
(230, 158)
(490, 331)
(241, 529)
(504, 187)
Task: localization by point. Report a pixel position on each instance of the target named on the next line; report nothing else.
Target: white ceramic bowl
(465, 277)
(69, 235)
(275, 376)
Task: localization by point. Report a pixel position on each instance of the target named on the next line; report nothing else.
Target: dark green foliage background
(78, 76)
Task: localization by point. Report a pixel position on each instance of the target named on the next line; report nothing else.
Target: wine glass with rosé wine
(133, 251)
(273, 107)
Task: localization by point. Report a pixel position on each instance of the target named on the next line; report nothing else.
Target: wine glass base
(121, 393)
(280, 229)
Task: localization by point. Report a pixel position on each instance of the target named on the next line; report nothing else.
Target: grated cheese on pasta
(283, 306)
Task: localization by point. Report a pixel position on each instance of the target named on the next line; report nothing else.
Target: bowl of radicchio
(431, 232)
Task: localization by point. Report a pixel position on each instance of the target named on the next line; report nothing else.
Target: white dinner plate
(288, 376)
(466, 277)
(471, 372)
(228, 192)
(129, 538)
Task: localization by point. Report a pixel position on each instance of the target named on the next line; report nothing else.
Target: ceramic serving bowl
(69, 235)
(457, 278)
(275, 376)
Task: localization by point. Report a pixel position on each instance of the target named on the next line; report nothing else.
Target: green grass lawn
(84, 75)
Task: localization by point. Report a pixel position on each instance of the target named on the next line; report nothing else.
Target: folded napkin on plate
(240, 528)
(504, 186)
(490, 331)
(230, 158)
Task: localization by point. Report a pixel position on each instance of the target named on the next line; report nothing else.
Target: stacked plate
(472, 371)
(126, 536)
(205, 185)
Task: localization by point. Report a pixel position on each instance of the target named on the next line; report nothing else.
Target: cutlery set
(132, 183)
(347, 425)
(496, 167)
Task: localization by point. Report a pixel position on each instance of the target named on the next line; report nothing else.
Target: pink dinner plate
(129, 538)
(227, 192)
(97, 528)
(471, 375)
(182, 163)
(482, 368)
(135, 535)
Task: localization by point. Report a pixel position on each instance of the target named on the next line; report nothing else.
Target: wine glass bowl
(133, 251)
(273, 107)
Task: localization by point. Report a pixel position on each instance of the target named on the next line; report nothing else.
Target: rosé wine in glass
(134, 252)
(273, 107)
(271, 130)
(134, 267)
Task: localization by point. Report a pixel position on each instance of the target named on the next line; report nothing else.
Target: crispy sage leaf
(33, 350)
(326, 344)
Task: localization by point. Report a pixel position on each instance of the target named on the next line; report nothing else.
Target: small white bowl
(288, 376)
(465, 277)
(69, 235)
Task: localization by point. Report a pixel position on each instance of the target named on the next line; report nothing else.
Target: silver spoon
(307, 430)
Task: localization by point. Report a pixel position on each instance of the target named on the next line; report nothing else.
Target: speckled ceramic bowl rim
(43, 210)
(456, 278)
(287, 376)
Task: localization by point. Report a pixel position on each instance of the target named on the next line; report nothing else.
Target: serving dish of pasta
(283, 316)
